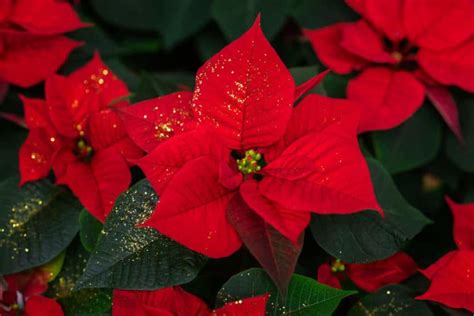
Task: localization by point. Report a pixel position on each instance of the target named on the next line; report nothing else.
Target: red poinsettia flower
(452, 279)
(370, 276)
(31, 44)
(174, 301)
(256, 166)
(405, 49)
(22, 295)
(78, 132)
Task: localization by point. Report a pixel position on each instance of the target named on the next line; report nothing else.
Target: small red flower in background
(370, 276)
(404, 49)
(22, 295)
(31, 45)
(78, 132)
(175, 301)
(452, 276)
(255, 165)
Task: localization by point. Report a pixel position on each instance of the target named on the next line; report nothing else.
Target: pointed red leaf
(328, 277)
(192, 209)
(372, 276)
(41, 306)
(453, 283)
(430, 271)
(387, 98)
(35, 155)
(463, 224)
(361, 40)
(454, 66)
(387, 16)
(438, 24)
(46, 16)
(288, 222)
(340, 182)
(98, 184)
(105, 128)
(444, 102)
(326, 43)
(151, 122)
(245, 92)
(28, 59)
(276, 254)
(36, 112)
(163, 302)
(309, 84)
(164, 161)
(252, 306)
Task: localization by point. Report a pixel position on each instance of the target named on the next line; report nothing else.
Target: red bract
(22, 295)
(371, 276)
(256, 166)
(452, 279)
(404, 48)
(78, 133)
(175, 301)
(31, 45)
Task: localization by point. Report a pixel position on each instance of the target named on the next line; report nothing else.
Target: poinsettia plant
(199, 158)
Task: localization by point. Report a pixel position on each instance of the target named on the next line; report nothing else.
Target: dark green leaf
(89, 230)
(11, 138)
(129, 257)
(155, 85)
(463, 154)
(236, 16)
(37, 222)
(390, 300)
(83, 302)
(366, 236)
(305, 295)
(410, 145)
(318, 13)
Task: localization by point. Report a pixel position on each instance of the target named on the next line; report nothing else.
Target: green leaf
(305, 295)
(129, 257)
(366, 236)
(236, 16)
(158, 84)
(463, 154)
(318, 13)
(90, 229)
(410, 145)
(390, 300)
(148, 15)
(83, 302)
(53, 267)
(37, 222)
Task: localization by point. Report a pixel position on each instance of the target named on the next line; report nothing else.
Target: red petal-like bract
(326, 43)
(438, 24)
(463, 224)
(45, 16)
(98, 184)
(452, 282)
(29, 58)
(174, 301)
(453, 66)
(276, 254)
(327, 276)
(386, 97)
(444, 102)
(245, 92)
(309, 84)
(153, 121)
(372, 276)
(361, 40)
(192, 210)
(323, 131)
(42, 306)
(386, 16)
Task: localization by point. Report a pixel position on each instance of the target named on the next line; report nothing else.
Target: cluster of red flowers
(247, 156)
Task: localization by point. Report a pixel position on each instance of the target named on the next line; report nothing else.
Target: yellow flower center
(397, 56)
(338, 266)
(83, 149)
(250, 163)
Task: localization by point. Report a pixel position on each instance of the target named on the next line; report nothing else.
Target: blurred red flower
(31, 44)
(405, 49)
(175, 301)
(78, 132)
(452, 279)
